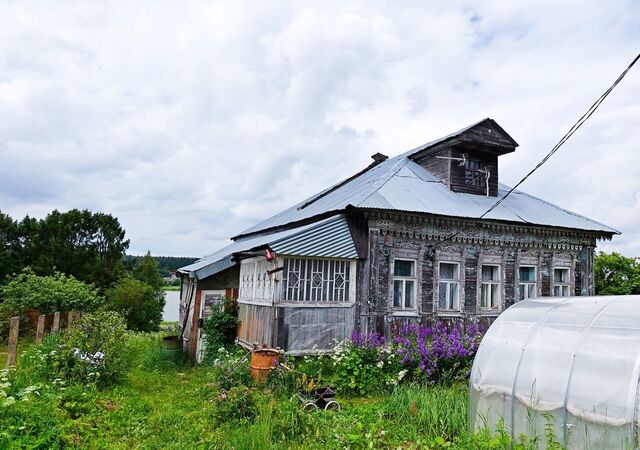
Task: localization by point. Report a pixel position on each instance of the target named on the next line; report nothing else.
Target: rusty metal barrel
(263, 361)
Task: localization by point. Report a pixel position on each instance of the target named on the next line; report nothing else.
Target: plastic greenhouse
(572, 364)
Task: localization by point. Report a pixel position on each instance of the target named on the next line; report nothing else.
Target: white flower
(380, 364)
(9, 401)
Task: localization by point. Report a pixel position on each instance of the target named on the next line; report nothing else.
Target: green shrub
(138, 303)
(237, 404)
(95, 349)
(364, 369)
(57, 292)
(92, 352)
(231, 368)
(219, 331)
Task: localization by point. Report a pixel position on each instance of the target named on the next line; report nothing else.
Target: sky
(191, 121)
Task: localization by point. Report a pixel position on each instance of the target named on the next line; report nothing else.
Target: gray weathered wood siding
(391, 237)
(438, 167)
(256, 324)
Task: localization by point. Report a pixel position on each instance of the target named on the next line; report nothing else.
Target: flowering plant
(440, 353)
(370, 362)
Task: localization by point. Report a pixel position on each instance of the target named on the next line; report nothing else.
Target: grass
(172, 405)
(171, 288)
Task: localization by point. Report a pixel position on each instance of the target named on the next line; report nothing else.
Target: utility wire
(592, 109)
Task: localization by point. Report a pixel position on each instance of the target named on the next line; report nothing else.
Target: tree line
(89, 246)
(76, 260)
(166, 264)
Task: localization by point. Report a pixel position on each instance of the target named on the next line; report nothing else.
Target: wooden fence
(56, 325)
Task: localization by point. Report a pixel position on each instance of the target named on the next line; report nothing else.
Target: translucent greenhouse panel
(541, 380)
(496, 363)
(601, 399)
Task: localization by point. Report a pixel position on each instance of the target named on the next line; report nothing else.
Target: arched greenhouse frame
(569, 365)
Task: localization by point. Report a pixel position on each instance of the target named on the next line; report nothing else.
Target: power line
(592, 109)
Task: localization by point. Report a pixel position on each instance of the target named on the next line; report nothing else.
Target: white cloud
(190, 122)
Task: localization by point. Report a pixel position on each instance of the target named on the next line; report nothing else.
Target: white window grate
(315, 280)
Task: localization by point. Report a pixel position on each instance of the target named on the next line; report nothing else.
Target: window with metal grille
(474, 174)
(526, 282)
(490, 287)
(316, 280)
(561, 282)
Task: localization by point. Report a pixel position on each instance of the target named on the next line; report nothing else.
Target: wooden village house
(398, 242)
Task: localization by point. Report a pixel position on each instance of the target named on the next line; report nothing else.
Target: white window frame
(404, 279)
(307, 293)
(256, 286)
(492, 286)
(527, 283)
(566, 284)
(456, 281)
(219, 306)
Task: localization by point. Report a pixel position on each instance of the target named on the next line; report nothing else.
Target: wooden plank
(56, 322)
(14, 327)
(40, 329)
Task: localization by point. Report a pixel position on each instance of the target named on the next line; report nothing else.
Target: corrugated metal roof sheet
(400, 184)
(327, 238)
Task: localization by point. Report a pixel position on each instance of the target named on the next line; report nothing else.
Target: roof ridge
(389, 176)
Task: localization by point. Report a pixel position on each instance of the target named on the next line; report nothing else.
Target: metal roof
(397, 184)
(329, 238)
(403, 185)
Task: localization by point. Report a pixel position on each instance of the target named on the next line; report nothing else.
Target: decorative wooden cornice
(476, 232)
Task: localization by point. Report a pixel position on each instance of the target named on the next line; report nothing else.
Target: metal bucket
(263, 361)
(171, 345)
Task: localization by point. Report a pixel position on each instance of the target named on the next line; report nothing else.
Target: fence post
(56, 322)
(14, 327)
(40, 329)
(69, 319)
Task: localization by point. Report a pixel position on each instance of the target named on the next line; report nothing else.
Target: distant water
(171, 308)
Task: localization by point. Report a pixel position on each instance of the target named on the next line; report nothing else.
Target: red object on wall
(268, 254)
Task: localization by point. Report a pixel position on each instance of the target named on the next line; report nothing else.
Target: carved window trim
(527, 284)
(491, 286)
(457, 281)
(404, 280)
(561, 285)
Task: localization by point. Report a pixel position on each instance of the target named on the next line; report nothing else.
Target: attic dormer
(467, 161)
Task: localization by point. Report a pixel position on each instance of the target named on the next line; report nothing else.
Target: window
(316, 280)
(404, 283)
(490, 287)
(448, 287)
(526, 282)
(474, 174)
(213, 301)
(561, 282)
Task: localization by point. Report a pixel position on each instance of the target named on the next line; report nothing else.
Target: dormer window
(474, 173)
(467, 161)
